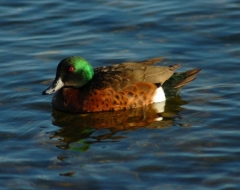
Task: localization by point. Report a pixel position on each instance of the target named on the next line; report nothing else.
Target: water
(196, 145)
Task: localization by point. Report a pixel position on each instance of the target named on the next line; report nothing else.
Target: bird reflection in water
(91, 128)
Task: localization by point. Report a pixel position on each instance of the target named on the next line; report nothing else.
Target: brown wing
(116, 67)
(118, 76)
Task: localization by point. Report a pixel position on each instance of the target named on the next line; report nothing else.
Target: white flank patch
(159, 95)
(159, 107)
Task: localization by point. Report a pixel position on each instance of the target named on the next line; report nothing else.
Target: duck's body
(117, 87)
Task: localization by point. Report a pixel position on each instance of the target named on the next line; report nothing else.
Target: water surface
(195, 145)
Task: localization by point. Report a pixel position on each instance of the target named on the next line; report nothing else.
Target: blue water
(195, 146)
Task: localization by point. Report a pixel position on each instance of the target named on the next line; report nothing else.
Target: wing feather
(118, 76)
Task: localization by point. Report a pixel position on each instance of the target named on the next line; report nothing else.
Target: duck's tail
(173, 85)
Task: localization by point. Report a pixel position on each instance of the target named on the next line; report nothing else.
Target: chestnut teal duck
(79, 88)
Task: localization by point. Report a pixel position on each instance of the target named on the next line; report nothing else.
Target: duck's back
(119, 76)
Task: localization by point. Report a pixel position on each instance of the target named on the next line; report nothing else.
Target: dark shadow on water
(90, 128)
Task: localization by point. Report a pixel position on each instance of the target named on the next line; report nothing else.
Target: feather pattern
(118, 76)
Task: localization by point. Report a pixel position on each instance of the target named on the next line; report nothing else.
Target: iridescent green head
(71, 72)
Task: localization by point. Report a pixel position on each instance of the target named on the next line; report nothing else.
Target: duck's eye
(71, 69)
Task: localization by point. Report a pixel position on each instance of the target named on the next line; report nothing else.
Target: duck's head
(71, 72)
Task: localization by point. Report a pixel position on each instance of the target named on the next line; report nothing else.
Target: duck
(79, 88)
